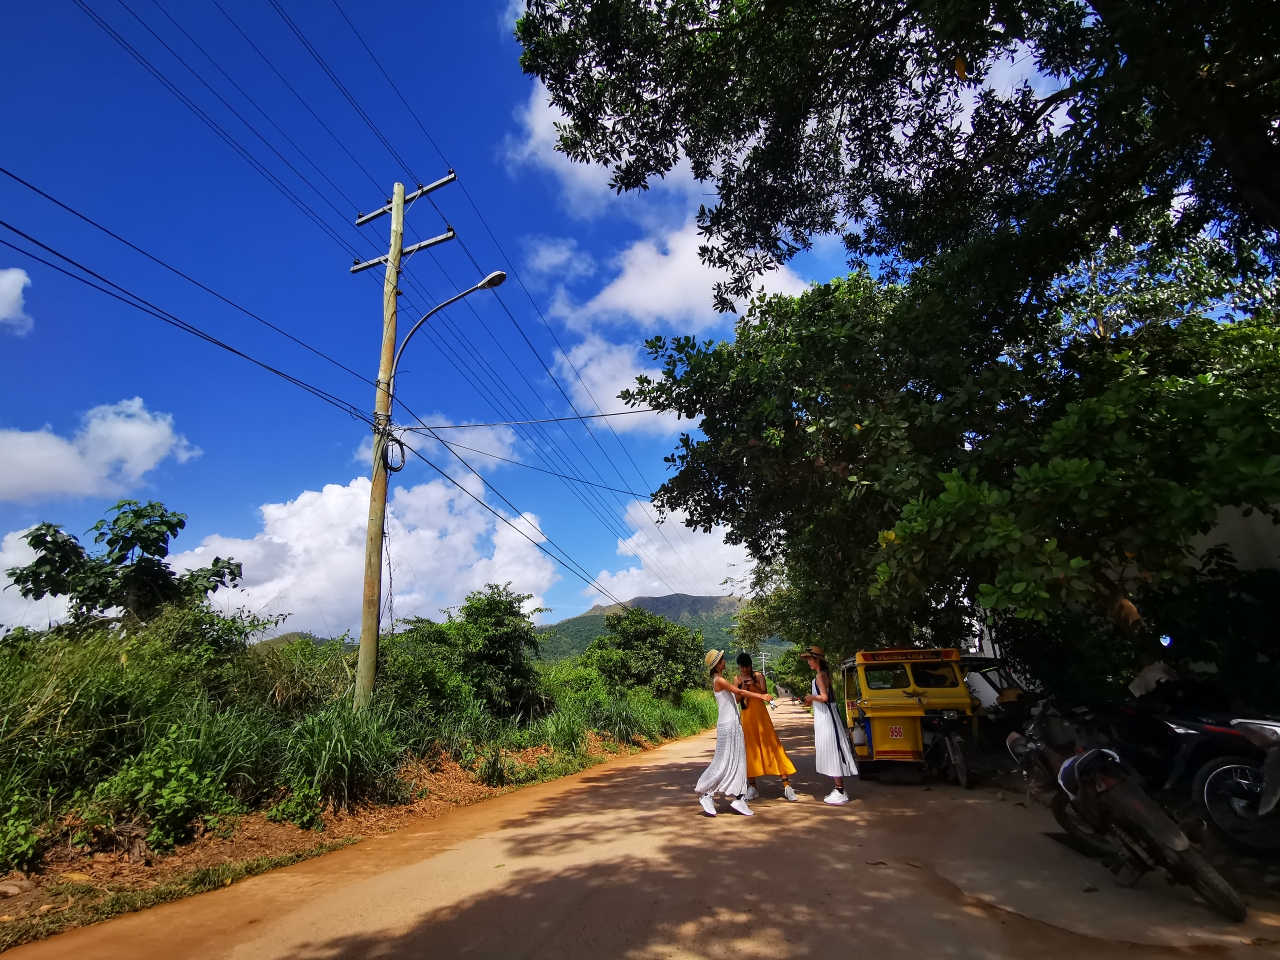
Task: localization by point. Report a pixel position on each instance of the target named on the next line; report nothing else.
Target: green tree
(644, 649)
(130, 574)
(486, 650)
(883, 122)
(893, 482)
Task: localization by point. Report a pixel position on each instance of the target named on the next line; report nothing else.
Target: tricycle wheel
(868, 770)
(959, 769)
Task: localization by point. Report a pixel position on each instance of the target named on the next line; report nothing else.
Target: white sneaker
(741, 806)
(789, 793)
(836, 796)
(751, 794)
(708, 804)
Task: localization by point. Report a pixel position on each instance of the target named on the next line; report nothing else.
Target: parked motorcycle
(1217, 759)
(1236, 796)
(1101, 803)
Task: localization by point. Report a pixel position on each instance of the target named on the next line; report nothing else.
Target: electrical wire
(528, 466)
(213, 125)
(511, 423)
(516, 274)
(189, 279)
(140, 303)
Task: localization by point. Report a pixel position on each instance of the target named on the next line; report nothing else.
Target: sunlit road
(617, 862)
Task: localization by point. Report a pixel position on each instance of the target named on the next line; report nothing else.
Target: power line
(140, 303)
(512, 423)
(216, 128)
(520, 281)
(528, 466)
(189, 279)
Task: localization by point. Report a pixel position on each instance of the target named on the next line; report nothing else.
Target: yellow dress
(765, 756)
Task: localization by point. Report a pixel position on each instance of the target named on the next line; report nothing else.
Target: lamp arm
(395, 364)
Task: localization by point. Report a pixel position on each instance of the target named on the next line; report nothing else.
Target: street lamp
(491, 282)
(370, 614)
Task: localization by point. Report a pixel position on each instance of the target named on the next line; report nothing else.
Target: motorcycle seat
(1080, 765)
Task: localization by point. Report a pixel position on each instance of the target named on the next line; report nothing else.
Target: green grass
(115, 901)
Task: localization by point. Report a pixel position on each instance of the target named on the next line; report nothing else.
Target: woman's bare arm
(824, 687)
(723, 684)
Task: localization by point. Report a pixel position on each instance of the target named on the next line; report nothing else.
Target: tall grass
(104, 732)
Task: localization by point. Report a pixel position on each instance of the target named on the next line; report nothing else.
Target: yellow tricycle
(909, 706)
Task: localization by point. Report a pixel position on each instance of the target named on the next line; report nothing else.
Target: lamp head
(492, 280)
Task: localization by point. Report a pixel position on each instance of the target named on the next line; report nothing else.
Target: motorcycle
(1220, 762)
(1101, 803)
(1236, 796)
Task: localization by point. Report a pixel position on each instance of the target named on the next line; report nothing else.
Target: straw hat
(713, 657)
(814, 652)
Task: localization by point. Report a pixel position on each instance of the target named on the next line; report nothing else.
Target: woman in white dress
(831, 746)
(728, 771)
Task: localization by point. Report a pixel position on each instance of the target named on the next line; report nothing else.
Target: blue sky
(100, 401)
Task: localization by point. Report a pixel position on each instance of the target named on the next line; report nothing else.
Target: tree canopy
(886, 122)
(894, 482)
(644, 649)
(129, 575)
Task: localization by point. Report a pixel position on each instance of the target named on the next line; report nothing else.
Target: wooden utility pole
(371, 611)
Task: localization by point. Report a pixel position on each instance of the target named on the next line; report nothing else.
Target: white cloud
(558, 257)
(12, 303)
(116, 445)
(308, 561)
(584, 187)
(512, 10)
(660, 279)
(15, 611)
(605, 369)
(675, 559)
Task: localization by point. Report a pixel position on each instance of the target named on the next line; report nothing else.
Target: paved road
(617, 862)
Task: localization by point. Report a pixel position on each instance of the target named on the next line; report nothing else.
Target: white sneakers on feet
(789, 793)
(741, 806)
(836, 796)
(708, 804)
(751, 794)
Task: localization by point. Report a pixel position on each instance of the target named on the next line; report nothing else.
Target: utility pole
(371, 607)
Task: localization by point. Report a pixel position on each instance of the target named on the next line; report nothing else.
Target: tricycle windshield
(887, 676)
(934, 675)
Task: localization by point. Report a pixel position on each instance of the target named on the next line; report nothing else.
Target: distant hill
(712, 615)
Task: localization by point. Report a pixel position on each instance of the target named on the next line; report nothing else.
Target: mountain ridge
(713, 615)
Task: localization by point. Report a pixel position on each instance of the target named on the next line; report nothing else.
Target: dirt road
(617, 862)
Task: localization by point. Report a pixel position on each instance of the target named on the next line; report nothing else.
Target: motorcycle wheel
(958, 765)
(1226, 792)
(1070, 821)
(1191, 868)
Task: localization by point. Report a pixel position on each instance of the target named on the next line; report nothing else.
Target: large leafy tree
(885, 122)
(644, 649)
(130, 574)
(894, 482)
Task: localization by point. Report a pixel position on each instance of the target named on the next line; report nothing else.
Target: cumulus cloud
(116, 445)
(13, 307)
(15, 611)
(559, 258)
(673, 559)
(308, 559)
(661, 279)
(603, 370)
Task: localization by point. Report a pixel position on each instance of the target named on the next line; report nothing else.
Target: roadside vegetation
(137, 731)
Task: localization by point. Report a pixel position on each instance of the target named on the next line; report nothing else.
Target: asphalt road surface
(618, 862)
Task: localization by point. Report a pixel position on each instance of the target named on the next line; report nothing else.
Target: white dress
(831, 746)
(728, 771)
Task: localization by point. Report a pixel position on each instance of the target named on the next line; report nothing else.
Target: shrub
(643, 649)
(302, 807)
(346, 755)
(161, 786)
(19, 839)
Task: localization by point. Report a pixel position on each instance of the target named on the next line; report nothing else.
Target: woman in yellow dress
(765, 756)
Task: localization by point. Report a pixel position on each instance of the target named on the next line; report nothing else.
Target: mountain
(712, 615)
